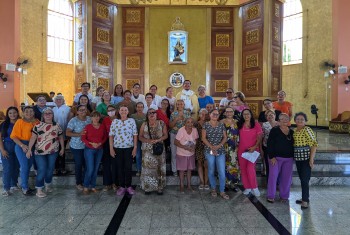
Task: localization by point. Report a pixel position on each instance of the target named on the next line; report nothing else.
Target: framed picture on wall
(177, 47)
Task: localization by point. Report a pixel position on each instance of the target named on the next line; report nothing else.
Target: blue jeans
(79, 160)
(10, 167)
(25, 165)
(92, 159)
(139, 156)
(219, 161)
(46, 165)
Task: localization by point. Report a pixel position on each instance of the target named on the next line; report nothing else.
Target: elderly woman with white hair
(204, 99)
(61, 114)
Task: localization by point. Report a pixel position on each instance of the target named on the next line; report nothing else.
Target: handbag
(157, 148)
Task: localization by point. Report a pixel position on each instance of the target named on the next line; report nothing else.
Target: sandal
(201, 187)
(214, 193)
(283, 200)
(270, 200)
(206, 187)
(224, 196)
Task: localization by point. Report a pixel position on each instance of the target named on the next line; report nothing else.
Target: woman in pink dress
(250, 135)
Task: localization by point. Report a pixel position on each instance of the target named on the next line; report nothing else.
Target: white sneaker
(256, 192)
(247, 191)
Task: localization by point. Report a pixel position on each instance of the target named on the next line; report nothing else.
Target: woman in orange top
(21, 133)
(282, 105)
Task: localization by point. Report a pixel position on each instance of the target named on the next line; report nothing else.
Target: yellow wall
(305, 83)
(43, 76)
(160, 22)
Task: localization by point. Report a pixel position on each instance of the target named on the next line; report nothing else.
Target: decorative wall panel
(253, 12)
(221, 51)
(222, 40)
(133, 17)
(79, 44)
(223, 17)
(255, 107)
(252, 60)
(252, 84)
(133, 26)
(102, 44)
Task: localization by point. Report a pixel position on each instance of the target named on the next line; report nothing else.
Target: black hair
(147, 119)
(300, 114)
(266, 100)
(86, 83)
(88, 106)
(115, 93)
(153, 86)
(149, 94)
(188, 81)
(136, 84)
(168, 112)
(168, 88)
(140, 103)
(127, 91)
(5, 125)
(241, 120)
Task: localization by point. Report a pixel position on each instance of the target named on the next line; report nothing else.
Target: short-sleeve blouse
(304, 137)
(214, 135)
(77, 126)
(179, 123)
(123, 132)
(47, 141)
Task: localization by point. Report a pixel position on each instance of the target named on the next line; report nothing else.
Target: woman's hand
(311, 163)
(112, 152)
(5, 154)
(29, 154)
(61, 152)
(252, 149)
(134, 150)
(24, 148)
(273, 161)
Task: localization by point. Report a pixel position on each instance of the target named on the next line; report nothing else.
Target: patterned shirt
(123, 132)
(179, 123)
(304, 137)
(77, 126)
(47, 141)
(214, 135)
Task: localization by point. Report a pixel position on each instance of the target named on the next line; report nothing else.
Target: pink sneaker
(121, 191)
(130, 190)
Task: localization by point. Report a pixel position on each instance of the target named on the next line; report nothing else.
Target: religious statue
(178, 50)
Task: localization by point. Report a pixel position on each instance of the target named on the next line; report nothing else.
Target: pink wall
(9, 51)
(340, 100)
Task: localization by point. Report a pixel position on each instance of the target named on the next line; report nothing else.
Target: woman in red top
(164, 114)
(94, 136)
(108, 180)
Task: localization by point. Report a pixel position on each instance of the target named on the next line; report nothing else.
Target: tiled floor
(67, 211)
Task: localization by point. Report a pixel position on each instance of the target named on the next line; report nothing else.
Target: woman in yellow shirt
(21, 133)
(305, 145)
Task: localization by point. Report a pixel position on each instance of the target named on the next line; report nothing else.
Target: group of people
(115, 128)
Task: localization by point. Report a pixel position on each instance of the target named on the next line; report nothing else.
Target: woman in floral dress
(232, 169)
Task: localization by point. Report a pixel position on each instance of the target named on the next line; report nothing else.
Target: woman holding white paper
(250, 135)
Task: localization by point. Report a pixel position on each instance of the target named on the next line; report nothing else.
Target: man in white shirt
(229, 97)
(61, 113)
(136, 96)
(157, 99)
(190, 99)
(85, 87)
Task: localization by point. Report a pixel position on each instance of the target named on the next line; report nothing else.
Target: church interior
(257, 47)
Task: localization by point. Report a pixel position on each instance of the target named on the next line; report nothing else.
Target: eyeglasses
(150, 113)
(215, 114)
(228, 92)
(41, 100)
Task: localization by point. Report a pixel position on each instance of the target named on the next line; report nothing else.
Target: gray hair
(203, 110)
(202, 86)
(58, 97)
